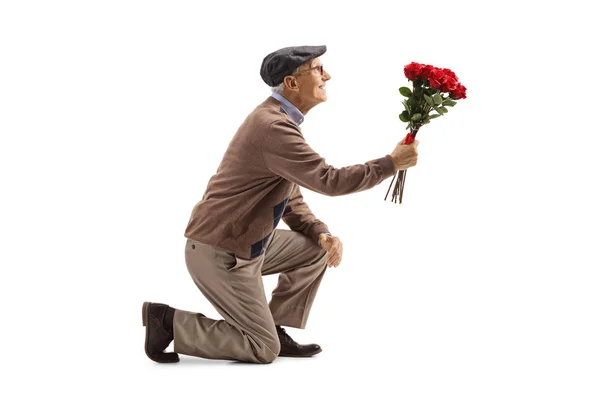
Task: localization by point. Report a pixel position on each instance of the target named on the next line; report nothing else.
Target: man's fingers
(334, 255)
(334, 262)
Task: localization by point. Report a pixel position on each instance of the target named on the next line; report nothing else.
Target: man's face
(311, 84)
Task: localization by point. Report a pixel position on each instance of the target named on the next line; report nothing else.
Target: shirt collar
(289, 108)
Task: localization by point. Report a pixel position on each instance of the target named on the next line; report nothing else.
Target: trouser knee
(267, 348)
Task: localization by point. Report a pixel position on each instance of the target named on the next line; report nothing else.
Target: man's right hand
(405, 155)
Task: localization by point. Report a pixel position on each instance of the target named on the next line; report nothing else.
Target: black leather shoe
(157, 337)
(289, 348)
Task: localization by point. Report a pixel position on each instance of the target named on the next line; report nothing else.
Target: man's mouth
(322, 87)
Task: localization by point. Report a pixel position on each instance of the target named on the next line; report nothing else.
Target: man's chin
(319, 100)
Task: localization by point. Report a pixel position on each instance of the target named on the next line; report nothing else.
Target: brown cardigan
(258, 183)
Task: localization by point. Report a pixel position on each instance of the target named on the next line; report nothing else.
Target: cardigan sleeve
(299, 217)
(286, 153)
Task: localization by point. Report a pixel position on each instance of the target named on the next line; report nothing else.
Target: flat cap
(281, 63)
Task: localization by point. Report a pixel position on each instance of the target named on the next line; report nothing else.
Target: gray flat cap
(281, 63)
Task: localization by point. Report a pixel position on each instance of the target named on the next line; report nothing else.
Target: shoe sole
(303, 355)
(169, 356)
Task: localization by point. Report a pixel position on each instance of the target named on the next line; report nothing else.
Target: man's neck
(292, 110)
(297, 102)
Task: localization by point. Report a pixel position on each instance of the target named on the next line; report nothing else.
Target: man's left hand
(334, 247)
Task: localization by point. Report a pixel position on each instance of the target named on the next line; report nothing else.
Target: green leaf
(444, 109)
(440, 112)
(404, 91)
(428, 99)
(404, 116)
(416, 117)
(434, 116)
(437, 99)
(449, 103)
(411, 102)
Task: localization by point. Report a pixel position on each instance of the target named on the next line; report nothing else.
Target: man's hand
(334, 249)
(405, 155)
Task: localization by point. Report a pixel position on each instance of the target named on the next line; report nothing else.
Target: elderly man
(232, 235)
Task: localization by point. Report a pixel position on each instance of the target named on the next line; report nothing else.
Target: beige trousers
(234, 286)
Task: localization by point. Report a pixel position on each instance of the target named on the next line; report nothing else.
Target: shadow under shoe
(289, 347)
(158, 337)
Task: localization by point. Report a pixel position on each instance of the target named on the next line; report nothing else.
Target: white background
(483, 284)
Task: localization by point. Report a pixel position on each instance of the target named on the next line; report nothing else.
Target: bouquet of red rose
(434, 89)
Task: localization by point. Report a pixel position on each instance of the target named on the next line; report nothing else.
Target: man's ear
(291, 82)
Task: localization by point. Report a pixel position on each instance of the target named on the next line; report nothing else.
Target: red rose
(412, 70)
(436, 78)
(425, 71)
(450, 84)
(459, 93)
(450, 73)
